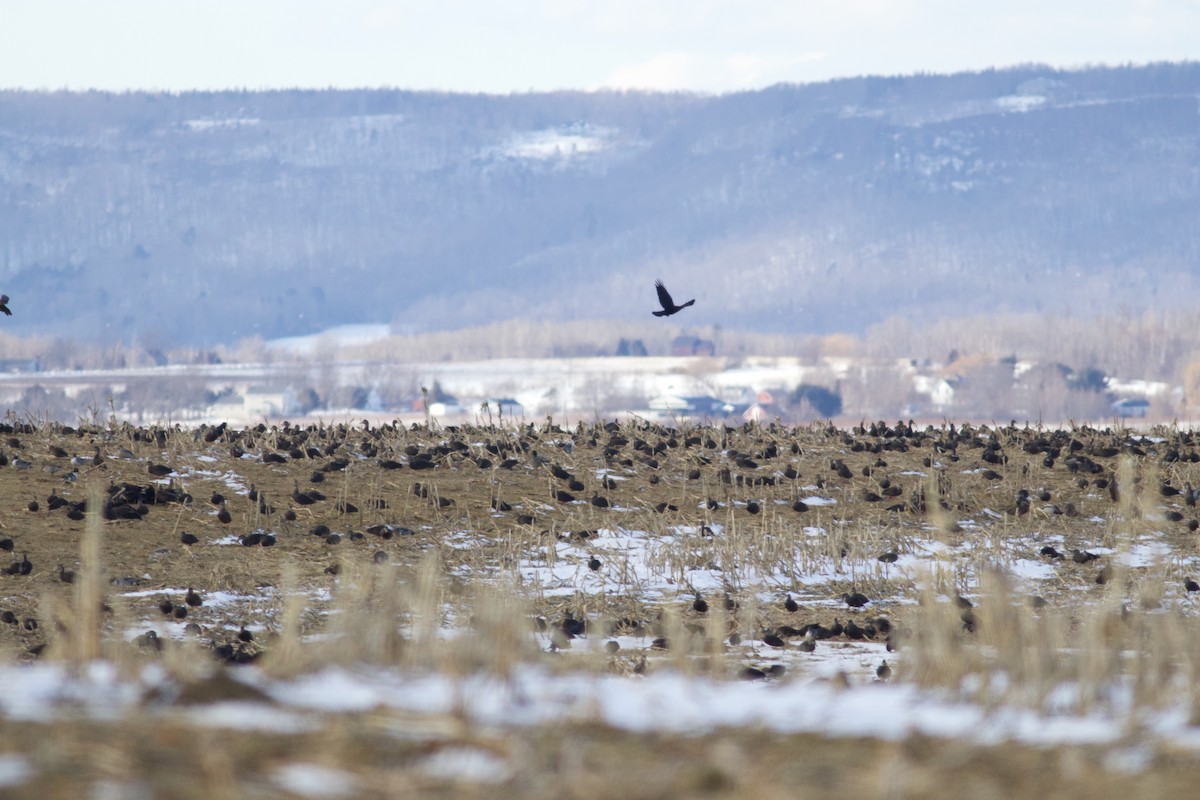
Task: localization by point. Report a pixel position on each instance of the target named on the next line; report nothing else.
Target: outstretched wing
(664, 297)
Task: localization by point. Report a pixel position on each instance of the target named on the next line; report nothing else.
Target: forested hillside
(208, 217)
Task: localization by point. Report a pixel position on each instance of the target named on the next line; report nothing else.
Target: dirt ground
(427, 486)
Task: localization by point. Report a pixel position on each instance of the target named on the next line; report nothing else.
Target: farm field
(606, 610)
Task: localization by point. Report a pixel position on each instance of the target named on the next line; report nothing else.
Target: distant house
(257, 402)
(1131, 407)
(940, 390)
(269, 401)
(440, 401)
(503, 407)
(442, 409)
(761, 412)
(697, 406)
(755, 412)
(763, 408)
(228, 406)
(692, 346)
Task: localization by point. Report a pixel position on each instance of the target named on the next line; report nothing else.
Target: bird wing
(664, 297)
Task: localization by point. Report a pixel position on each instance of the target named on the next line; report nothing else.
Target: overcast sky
(521, 45)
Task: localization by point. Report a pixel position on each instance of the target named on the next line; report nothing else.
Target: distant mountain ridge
(208, 217)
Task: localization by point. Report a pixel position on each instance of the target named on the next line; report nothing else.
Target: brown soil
(684, 467)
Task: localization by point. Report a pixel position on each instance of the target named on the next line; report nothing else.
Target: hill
(207, 217)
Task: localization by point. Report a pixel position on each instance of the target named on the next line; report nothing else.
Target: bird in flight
(4, 305)
(668, 305)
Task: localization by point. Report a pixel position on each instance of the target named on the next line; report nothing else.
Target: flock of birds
(693, 475)
(753, 470)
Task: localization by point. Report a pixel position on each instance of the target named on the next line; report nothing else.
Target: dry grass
(149, 757)
(454, 596)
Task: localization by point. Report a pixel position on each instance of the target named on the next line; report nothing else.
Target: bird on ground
(856, 599)
(852, 631)
(22, 567)
(4, 305)
(93, 460)
(668, 305)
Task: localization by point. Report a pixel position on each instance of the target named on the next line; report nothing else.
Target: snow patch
(1020, 103)
(339, 336)
(557, 144)
(468, 764)
(314, 780)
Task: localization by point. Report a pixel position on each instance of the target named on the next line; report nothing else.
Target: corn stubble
(957, 509)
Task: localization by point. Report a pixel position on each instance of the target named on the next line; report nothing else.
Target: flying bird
(668, 305)
(4, 305)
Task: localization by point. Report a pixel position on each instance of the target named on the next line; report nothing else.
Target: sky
(502, 46)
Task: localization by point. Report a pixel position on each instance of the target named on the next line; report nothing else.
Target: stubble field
(603, 610)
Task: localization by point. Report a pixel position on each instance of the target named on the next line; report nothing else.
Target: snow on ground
(338, 336)
(471, 764)
(314, 780)
(14, 770)
(665, 701)
(682, 560)
(1018, 103)
(559, 144)
(213, 123)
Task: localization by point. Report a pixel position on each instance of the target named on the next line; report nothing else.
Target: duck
(855, 599)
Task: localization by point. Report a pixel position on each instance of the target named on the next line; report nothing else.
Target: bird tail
(660, 313)
(688, 303)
